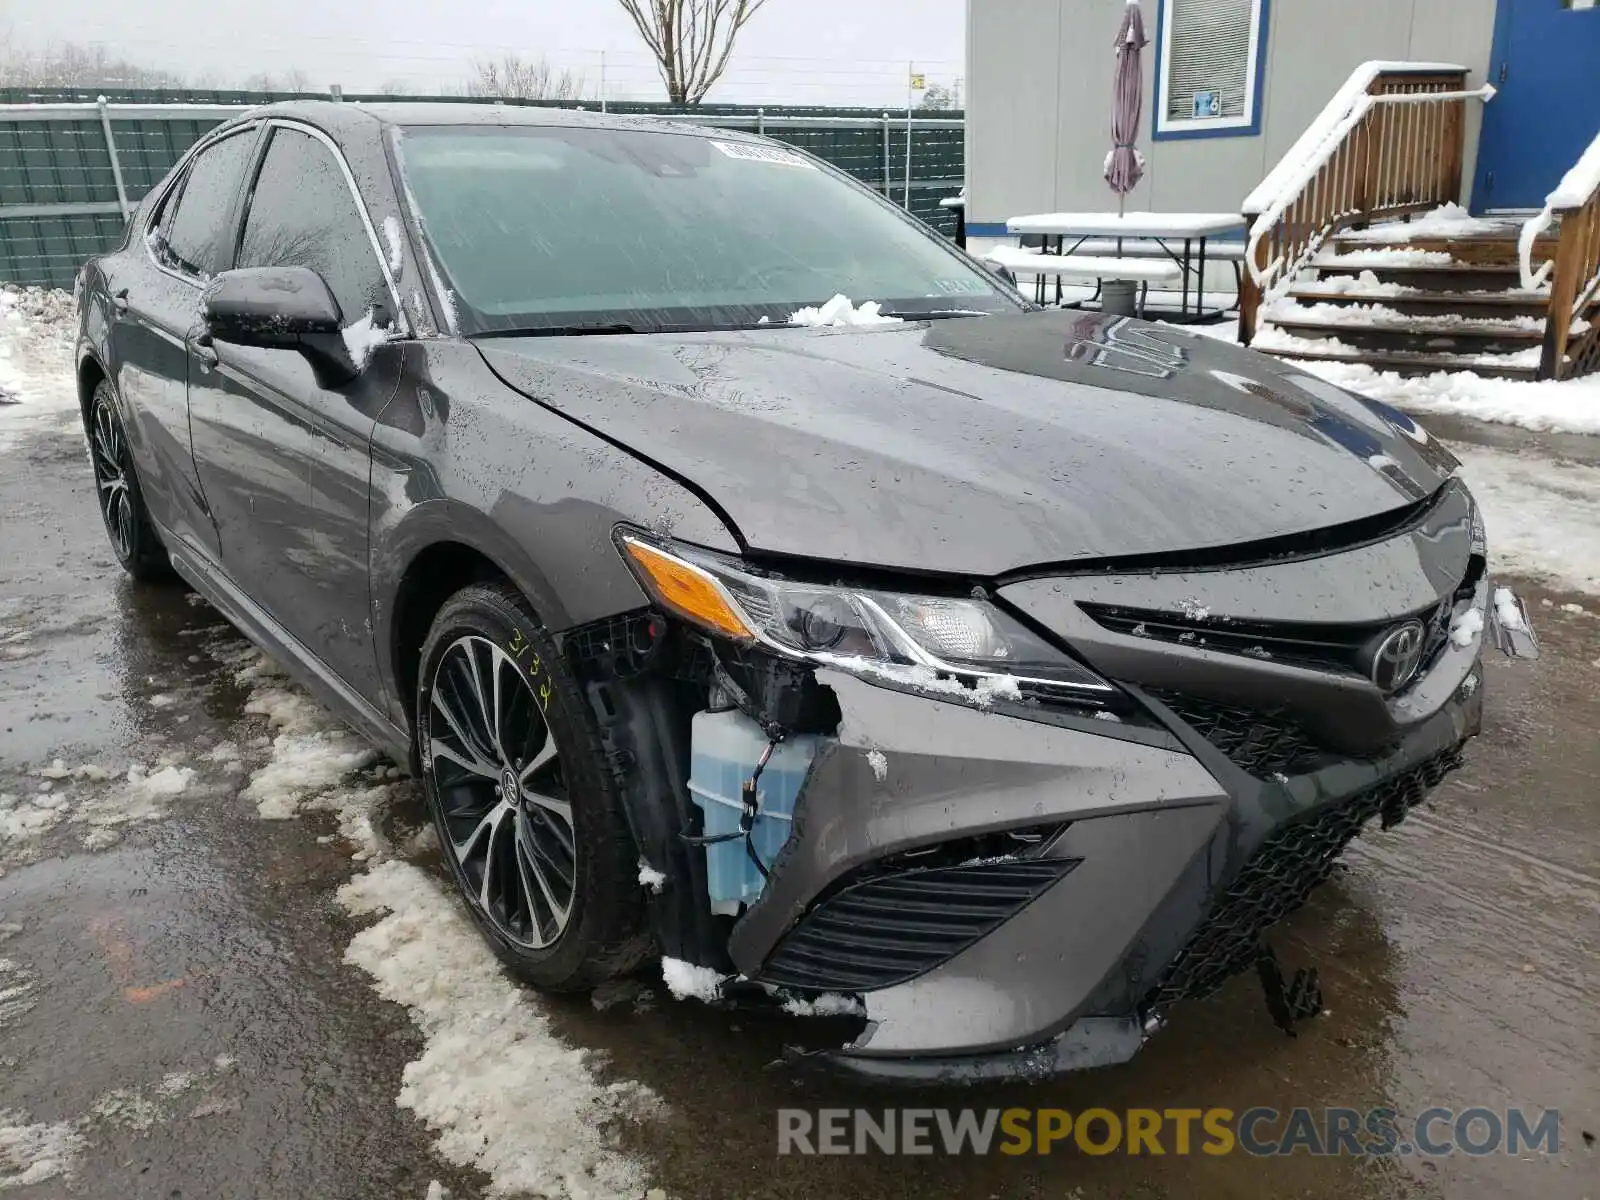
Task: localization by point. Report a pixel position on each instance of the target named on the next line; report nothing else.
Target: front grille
(891, 928)
(1344, 649)
(1279, 877)
(1323, 647)
(1262, 742)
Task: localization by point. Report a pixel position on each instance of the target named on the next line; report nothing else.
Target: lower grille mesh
(892, 928)
(1279, 877)
(1261, 742)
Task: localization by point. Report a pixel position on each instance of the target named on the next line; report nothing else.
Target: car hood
(978, 446)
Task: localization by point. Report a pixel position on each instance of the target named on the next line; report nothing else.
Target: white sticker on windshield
(766, 154)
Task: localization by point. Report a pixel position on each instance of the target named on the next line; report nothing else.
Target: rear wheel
(522, 796)
(133, 538)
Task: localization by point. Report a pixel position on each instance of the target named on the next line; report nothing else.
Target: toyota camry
(757, 583)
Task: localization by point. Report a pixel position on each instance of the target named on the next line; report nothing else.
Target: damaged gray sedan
(1005, 673)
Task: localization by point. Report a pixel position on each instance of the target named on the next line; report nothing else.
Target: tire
(516, 860)
(133, 538)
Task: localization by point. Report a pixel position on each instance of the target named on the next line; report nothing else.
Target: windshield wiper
(933, 314)
(563, 330)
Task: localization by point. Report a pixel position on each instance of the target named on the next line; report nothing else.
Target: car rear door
(283, 459)
(155, 289)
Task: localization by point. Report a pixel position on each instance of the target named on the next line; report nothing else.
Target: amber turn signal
(686, 590)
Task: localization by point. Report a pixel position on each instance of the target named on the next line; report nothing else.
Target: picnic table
(1183, 238)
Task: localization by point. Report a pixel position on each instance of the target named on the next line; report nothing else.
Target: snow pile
(391, 239)
(1542, 516)
(1384, 257)
(686, 981)
(1367, 284)
(1368, 315)
(37, 382)
(1581, 182)
(879, 763)
(168, 780)
(1465, 629)
(839, 311)
(312, 754)
(1449, 220)
(502, 1093)
(362, 338)
(1508, 612)
(651, 878)
(828, 1004)
(26, 819)
(31, 1154)
(1270, 337)
(1571, 406)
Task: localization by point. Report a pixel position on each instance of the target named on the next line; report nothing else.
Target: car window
(303, 214)
(192, 225)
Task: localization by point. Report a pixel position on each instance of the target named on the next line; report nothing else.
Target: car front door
(155, 290)
(283, 458)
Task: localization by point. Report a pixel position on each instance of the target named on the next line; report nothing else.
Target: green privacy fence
(72, 164)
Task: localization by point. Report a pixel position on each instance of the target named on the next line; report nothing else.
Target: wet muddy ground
(174, 992)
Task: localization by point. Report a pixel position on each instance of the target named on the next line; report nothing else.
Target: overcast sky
(799, 51)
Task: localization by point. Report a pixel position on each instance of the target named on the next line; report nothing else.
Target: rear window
(540, 226)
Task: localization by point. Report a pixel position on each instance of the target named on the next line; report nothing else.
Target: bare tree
(938, 97)
(691, 40)
(67, 66)
(516, 78)
(292, 80)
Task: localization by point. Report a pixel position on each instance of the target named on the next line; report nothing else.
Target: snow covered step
(1424, 270)
(1378, 328)
(1480, 249)
(1524, 364)
(1353, 291)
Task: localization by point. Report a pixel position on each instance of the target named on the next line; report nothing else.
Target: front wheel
(522, 796)
(133, 538)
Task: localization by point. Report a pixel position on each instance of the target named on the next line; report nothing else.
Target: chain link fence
(73, 165)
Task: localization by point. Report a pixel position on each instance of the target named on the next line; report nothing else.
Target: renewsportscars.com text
(1260, 1132)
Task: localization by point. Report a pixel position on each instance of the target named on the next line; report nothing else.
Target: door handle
(119, 301)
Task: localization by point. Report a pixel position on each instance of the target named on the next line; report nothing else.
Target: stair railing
(1574, 273)
(1391, 142)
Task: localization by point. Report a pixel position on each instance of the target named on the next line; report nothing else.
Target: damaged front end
(922, 809)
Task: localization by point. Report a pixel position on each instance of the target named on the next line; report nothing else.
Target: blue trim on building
(1181, 135)
(987, 229)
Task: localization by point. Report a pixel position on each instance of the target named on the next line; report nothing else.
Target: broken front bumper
(1158, 861)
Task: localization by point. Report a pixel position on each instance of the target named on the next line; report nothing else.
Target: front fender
(457, 457)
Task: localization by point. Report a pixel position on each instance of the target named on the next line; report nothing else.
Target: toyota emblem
(1395, 663)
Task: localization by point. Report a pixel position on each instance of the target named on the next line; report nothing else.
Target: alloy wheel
(108, 451)
(497, 774)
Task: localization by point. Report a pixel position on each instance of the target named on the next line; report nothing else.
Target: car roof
(351, 118)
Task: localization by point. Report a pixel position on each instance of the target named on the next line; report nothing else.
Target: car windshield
(564, 229)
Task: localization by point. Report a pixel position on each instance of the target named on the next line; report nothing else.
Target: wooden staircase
(1414, 305)
(1331, 275)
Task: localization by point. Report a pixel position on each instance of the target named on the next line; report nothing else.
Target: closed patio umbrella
(1125, 165)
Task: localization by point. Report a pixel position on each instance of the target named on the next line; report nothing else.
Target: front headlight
(908, 638)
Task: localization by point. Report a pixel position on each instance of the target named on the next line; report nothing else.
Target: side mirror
(280, 308)
(268, 306)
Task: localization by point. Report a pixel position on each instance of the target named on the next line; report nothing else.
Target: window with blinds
(1208, 50)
